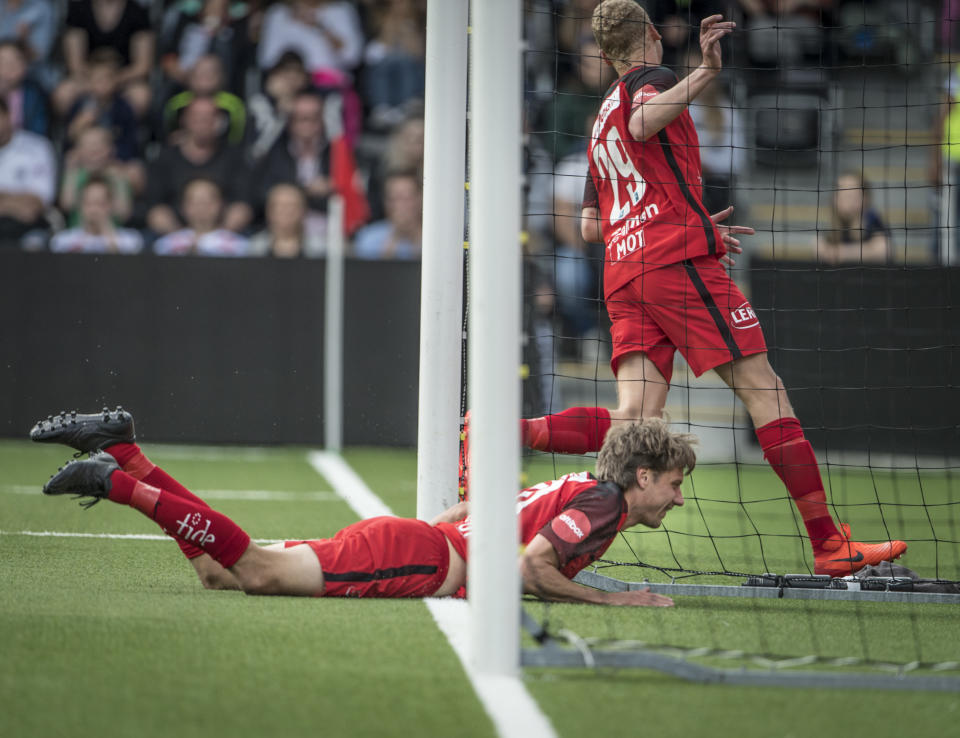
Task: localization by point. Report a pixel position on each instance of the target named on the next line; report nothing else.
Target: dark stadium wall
(871, 355)
(208, 350)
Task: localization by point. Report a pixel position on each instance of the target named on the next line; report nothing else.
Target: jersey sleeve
(646, 83)
(590, 197)
(586, 525)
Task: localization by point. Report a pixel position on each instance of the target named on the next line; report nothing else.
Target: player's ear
(606, 60)
(642, 477)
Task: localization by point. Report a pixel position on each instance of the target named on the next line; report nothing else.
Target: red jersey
(648, 192)
(577, 514)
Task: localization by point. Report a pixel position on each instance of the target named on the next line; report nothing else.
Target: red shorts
(382, 557)
(692, 306)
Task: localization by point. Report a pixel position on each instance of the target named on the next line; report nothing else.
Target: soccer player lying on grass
(565, 524)
(665, 286)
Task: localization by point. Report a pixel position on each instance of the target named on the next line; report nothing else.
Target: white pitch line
(256, 495)
(347, 484)
(515, 714)
(112, 536)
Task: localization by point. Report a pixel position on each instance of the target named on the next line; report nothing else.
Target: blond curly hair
(644, 444)
(619, 26)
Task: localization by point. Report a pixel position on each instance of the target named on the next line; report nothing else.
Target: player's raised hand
(639, 598)
(712, 29)
(727, 234)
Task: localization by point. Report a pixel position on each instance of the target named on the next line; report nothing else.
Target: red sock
(576, 430)
(790, 454)
(135, 463)
(186, 521)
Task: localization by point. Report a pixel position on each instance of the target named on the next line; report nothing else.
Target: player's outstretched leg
(259, 571)
(87, 432)
(791, 456)
(642, 392)
(114, 432)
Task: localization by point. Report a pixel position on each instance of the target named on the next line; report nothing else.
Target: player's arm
(540, 571)
(590, 225)
(590, 211)
(651, 117)
(453, 514)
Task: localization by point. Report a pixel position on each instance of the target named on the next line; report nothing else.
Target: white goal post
(495, 304)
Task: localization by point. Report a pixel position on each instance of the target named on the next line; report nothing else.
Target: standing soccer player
(664, 285)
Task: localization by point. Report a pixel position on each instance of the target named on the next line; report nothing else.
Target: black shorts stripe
(378, 574)
(687, 194)
(715, 313)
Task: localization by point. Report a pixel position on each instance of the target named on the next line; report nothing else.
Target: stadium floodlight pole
(333, 329)
(494, 328)
(441, 291)
(333, 298)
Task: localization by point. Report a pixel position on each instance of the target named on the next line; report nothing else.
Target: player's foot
(464, 475)
(87, 478)
(86, 433)
(840, 557)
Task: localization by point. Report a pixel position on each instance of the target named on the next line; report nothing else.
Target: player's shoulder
(587, 484)
(660, 78)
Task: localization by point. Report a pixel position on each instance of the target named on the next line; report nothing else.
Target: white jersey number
(614, 166)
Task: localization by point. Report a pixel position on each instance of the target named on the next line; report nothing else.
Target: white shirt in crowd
(28, 166)
(283, 31)
(220, 242)
(79, 241)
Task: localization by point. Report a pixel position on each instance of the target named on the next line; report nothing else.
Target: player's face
(660, 495)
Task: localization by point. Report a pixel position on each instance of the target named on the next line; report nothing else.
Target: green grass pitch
(116, 637)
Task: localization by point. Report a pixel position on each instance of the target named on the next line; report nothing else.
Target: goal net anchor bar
(552, 654)
(788, 587)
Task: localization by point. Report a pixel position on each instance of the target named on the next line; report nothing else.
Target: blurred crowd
(222, 128)
(211, 127)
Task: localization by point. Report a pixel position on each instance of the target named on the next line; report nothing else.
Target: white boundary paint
(111, 536)
(513, 711)
(230, 495)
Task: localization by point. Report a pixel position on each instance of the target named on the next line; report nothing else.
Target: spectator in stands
(32, 23)
(399, 236)
(96, 232)
(678, 22)
(205, 79)
(198, 152)
(101, 104)
(269, 110)
(28, 172)
(395, 60)
(577, 99)
(25, 99)
(93, 156)
(302, 156)
(857, 233)
(574, 270)
(285, 235)
(326, 33)
(202, 208)
(209, 29)
(404, 152)
(121, 25)
(723, 144)
(781, 32)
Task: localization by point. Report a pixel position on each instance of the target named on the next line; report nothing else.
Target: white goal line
(111, 536)
(255, 495)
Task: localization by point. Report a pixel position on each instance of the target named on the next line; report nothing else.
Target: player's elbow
(589, 230)
(531, 574)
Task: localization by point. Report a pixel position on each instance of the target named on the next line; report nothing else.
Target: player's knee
(217, 580)
(262, 582)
